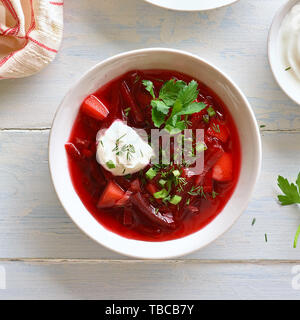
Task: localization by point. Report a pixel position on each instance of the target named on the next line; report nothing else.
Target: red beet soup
(160, 201)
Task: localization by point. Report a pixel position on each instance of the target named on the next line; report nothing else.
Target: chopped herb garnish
(296, 237)
(188, 201)
(214, 194)
(206, 118)
(200, 147)
(288, 68)
(197, 191)
(211, 111)
(119, 139)
(126, 148)
(176, 173)
(141, 153)
(216, 128)
(129, 150)
(180, 182)
(175, 199)
(266, 237)
(110, 164)
(151, 173)
(162, 182)
(116, 148)
(253, 222)
(137, 78)
(101, 143)
(177, 96)
(163, 193)
(149, 87)
(262, 126)
(126, 111)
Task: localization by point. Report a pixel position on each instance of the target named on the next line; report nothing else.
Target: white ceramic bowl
(284, 79)
(155, 59)
(191, 5)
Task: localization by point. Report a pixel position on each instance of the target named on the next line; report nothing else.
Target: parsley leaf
(160, 106)
(158, 118)
(177, 128)
(192, 108)
(170, 90)
(180, 98)
(290, 190)
(189, 93)
(149, 86)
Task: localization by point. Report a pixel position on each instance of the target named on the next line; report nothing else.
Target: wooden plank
(33, 224)
(233, 38)
(149, 280)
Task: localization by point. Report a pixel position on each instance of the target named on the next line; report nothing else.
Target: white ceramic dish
(284, 79)
(155, 59)
(191, 5)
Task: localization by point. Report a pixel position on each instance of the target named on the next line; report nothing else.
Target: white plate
(155, 58)
(191, 5)
(284, 79)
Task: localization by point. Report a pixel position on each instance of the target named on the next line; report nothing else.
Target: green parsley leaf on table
(290, 190)
(291, 196)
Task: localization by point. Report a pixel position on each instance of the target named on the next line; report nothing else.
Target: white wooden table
(42, 251)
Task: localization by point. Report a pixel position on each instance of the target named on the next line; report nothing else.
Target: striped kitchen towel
(30, 35)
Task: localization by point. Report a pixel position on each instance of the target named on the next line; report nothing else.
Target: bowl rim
(278, 19)
(257, 140)
(191, 10)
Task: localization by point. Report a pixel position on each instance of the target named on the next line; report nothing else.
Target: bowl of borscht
(154, 153)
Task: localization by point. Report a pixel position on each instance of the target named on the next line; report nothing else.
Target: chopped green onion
(206, 118)
(176, 173)
(253, 221)
(288, 68)
(175, 199)
(161, 194)
(211, 112)
(126, 111)
(151, 173)
(200, 147)
(296, 237)
(110, 164)
(266, 237)
(162, 182)
(214, 194)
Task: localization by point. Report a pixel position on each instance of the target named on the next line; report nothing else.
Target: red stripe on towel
(6, 59)
(10, 7)
(56, 3)
(42, 45)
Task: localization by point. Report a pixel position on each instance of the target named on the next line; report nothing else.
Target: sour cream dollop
(290, 41)
(121, 149)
